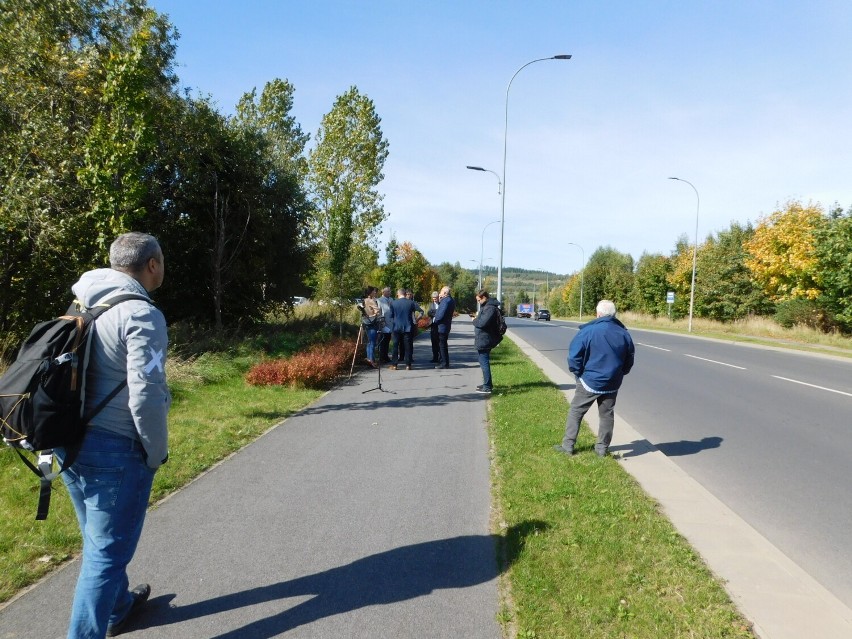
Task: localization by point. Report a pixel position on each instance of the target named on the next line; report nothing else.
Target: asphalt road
(767, 431)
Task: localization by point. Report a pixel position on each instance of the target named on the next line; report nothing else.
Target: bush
(799, 312)
(314, 367)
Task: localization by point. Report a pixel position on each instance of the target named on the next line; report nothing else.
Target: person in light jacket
(110, 481)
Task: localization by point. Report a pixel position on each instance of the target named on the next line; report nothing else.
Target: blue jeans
(371, 343)
(109, 484)
(485, 365)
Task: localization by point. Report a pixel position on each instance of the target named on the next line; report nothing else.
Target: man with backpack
(110, 480)
(486, 335)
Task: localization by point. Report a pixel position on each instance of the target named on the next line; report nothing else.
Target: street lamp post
(503, 203)
(694, 250)
(582, 275)
(482, 250)
(494, 173)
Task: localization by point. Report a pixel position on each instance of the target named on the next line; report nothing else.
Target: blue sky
(750, 101)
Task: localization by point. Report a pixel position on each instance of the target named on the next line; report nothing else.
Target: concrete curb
(780, 599)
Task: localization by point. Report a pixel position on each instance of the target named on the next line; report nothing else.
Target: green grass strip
(214, 413)
(587, 553)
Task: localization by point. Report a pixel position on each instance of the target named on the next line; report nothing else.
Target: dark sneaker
(140, 595)
(408, 368)
(558, 448)
(483, 389)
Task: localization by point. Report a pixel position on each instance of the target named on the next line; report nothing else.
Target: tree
(781, 253)
(344, 168)
(608, 275)
(79, 90)
(834, 260)
(651, 284)
(679, 278)
(727, 291)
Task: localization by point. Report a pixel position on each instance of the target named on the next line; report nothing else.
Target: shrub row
(316, 366)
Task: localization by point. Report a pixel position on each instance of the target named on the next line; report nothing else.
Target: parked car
(542, 314)
(298, 301)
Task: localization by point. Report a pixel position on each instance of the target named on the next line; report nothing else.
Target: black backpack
(42, 393)
(501, 329)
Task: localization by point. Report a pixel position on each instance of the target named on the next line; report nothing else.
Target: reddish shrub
(318, 365)
(424, 322)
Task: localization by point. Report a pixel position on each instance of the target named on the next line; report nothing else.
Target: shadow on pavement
(669, 449)
(395, 575)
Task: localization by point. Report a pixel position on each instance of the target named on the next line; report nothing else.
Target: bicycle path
(365, 515)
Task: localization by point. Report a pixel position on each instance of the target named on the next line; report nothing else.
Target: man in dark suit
(444, 319)
(403, 321)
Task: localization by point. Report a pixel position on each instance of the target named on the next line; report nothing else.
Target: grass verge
(214, 413)
(596, 557)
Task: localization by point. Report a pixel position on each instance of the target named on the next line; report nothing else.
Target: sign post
(670, 301)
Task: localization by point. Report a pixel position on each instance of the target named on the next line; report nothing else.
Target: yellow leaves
(781, 253)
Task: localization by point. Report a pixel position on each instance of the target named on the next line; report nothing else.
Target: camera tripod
(378, 362)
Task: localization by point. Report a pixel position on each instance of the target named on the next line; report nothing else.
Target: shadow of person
(687, 447)
(383, 578)
(669, 449)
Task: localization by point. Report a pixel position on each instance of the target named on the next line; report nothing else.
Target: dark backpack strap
(44, 467)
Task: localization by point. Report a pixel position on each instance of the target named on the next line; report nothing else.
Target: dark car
(542, 314)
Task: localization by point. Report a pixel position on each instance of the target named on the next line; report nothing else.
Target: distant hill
(520, 280)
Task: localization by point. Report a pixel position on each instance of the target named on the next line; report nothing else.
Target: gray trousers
(580, 405)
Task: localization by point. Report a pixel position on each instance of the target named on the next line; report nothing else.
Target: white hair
(606, 308)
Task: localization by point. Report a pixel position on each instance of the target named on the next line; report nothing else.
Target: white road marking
(830, 390)
(713, 361)
(659, 348)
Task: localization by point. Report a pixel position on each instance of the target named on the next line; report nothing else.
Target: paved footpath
(366, 515)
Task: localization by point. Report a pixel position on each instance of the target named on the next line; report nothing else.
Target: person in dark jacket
(403, 320)
(600, 355)
(486, 335)
(444, 319)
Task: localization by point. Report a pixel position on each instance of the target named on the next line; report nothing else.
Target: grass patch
(214, 413)
(596, 558)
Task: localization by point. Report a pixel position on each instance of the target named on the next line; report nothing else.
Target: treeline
(96, 139)
(795, 265)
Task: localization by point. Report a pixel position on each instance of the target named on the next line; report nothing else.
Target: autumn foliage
(316, 366)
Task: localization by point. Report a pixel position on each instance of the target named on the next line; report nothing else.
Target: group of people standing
(391, 324)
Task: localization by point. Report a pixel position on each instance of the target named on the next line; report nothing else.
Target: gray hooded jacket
(129, 342)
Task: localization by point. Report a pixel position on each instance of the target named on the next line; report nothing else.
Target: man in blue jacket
(403, 324)
(600, 355)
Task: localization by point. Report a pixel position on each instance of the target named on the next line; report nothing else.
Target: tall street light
(582, 275)
(503, 204)
(694, 250)
(494, 173)
(482, 250)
